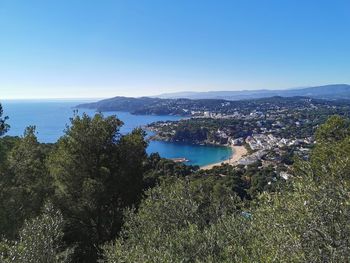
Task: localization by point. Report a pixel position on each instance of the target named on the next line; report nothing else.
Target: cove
(51, 117)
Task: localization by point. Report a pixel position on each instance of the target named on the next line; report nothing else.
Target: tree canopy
(305, 221)
(97, 173)
(96, 196)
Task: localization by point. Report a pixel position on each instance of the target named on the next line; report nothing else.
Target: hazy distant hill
(336, 91)
(157, 106)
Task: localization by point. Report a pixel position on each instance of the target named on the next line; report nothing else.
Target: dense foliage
(96, 174)
(40, 240)
(167, 225)
(91, 175)
(306, 221)
(3, 125)
(95, 196)
(25, 182)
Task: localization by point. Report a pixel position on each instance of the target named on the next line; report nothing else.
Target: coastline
(237, 153)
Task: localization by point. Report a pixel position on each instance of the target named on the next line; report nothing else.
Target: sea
(51, 118)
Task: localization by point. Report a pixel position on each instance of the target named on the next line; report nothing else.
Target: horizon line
(161, 94)
(54, 98)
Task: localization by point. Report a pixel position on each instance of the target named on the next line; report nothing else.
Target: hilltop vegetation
(95, 196)
(77, 187)
(303, 221)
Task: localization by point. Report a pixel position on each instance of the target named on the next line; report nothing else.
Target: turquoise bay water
(51, 118)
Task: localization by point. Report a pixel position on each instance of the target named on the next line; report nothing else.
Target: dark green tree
(25, 184)
(97, 173)
(3, 125)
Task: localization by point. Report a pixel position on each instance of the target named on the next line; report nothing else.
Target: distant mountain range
(329, 92)
(184, 102)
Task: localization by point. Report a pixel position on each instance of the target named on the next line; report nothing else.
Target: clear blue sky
(71, 48)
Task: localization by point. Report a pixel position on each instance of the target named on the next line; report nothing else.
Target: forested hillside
(96, 196)
(198, 107)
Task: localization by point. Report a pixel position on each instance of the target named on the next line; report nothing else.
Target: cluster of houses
(234, 115)
(252, 158)
(261, 143)
(267, 141)
(215, 115)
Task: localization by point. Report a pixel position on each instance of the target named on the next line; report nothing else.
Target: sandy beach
(237, 153)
